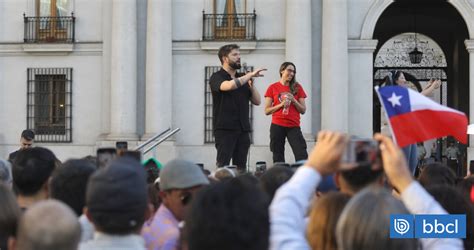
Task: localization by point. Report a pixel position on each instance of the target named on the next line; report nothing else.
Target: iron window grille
(49, 29)
(49, 104)
(208, 128)
(229, 26)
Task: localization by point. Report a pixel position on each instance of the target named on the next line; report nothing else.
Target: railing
(49, 29)
(166, 134)
(228, 26)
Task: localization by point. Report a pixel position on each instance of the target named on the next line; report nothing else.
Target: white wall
(88, 15)
(91, 73)
(85, 97)
(11, 20)
(356, 14)
(271, 19)
(86, 82)
(187, 19)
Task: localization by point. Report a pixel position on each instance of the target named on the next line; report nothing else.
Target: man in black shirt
(231, 93)
(26, 141)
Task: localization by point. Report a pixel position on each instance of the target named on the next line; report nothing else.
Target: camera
(363, 152)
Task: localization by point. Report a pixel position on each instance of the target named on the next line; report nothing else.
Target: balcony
(229, 27)
(49, 34)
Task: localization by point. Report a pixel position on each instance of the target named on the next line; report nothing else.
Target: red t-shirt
(292, 119)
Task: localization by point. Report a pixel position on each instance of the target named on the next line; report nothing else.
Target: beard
(235, 65)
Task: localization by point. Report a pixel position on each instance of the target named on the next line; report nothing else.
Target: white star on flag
(395, 99)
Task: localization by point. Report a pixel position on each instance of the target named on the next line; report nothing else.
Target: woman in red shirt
(284, 100)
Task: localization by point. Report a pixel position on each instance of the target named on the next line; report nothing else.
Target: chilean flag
(414, 117)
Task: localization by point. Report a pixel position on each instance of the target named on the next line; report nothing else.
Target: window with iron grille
(208, 128)
(49, 100)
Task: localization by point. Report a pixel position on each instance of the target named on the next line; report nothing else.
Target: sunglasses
(186, 198)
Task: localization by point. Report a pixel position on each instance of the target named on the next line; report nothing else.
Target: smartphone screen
(363, 152)
(105, 156)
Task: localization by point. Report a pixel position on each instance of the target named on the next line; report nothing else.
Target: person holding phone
(396, 77)
(285, 101)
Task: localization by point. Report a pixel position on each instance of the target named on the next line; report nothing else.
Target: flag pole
(386, 114)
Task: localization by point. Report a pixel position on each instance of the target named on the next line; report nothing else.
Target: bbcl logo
(402, 226)
(428, 226)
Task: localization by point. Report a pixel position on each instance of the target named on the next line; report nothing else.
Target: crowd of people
(322, 203)
(47, 204)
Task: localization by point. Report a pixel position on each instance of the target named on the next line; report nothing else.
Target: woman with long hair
(396, 77)
(285, 101)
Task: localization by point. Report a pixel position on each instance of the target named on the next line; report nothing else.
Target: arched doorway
(393, 55)
(442, 26)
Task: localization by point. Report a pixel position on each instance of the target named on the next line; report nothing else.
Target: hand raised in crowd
(394, 163)
(433, 83)
(437, 83)
(326, 155)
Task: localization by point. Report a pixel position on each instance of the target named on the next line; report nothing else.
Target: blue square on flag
(395, 100)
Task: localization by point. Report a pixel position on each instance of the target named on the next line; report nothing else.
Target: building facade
(87, 73)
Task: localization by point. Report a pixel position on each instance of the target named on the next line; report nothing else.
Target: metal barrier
(139, 147)
(161, 140)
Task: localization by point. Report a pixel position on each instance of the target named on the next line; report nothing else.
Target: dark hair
(455, 203)
(31, 169)
(28, 134)
(360, 177)
(293, 83)
(392, 77)
(225, 50)
(466, 187)
(230, 215)
(117, 198)
(273, 178)
(437, 174)
(9, 216)
(69, 183)
(471, 167)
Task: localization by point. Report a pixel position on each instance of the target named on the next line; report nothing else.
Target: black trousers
(232, 144)
(453, 164)
(295, 138)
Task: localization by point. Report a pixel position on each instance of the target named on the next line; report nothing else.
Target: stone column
(298, 50)
(123, 87)
(158, 67)
(470, 48)
(334, 70)
(361, 87)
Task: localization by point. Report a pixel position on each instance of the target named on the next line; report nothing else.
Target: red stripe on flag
(422, 125)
